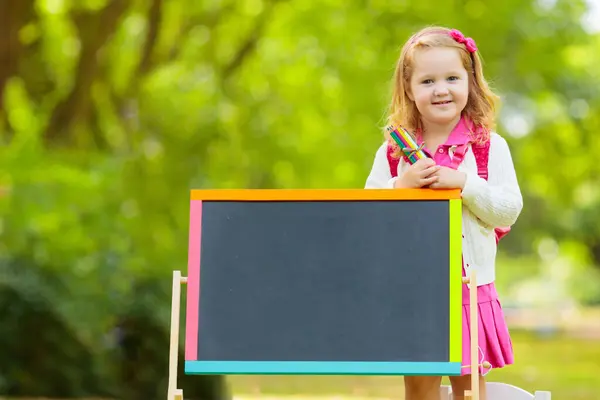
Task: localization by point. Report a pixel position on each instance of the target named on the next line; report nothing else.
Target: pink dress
(494, 338)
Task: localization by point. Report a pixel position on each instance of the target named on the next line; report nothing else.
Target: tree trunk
(14, 15)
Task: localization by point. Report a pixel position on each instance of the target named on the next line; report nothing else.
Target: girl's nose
(440, 90)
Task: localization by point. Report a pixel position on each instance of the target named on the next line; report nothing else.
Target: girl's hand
(420, 174)
(448, 178)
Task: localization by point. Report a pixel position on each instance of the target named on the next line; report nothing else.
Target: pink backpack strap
(482, 155)
(459, 155)
(393, 161)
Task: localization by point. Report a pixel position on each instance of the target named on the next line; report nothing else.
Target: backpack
(481, 153)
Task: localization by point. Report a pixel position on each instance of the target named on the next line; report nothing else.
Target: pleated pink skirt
(495, 345)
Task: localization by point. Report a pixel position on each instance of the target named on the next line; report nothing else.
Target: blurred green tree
(111, 110)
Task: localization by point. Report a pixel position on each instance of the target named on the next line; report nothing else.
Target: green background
(111, 111)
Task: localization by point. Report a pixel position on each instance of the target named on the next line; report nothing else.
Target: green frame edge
(215, 367)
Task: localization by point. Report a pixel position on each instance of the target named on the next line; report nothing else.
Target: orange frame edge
(322, 194)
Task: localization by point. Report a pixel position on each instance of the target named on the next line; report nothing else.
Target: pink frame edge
(193, 281)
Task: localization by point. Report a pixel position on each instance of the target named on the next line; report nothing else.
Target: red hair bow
(460, 38)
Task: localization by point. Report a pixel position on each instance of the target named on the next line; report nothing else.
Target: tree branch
(210, 20)
(249, 44)
(154, 22)
(94, 32)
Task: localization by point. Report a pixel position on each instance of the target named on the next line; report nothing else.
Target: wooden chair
(501, 391)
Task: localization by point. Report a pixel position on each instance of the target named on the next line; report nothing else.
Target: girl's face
(439, 85)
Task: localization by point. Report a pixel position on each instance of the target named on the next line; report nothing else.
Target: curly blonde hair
(482, 101)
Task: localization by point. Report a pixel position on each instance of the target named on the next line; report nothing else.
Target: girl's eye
(426, 81)
(453, 78)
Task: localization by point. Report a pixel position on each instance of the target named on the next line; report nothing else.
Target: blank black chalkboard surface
(358, 281)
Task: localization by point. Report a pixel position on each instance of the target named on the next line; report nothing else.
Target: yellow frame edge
(455, 313)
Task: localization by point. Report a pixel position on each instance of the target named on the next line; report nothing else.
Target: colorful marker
(407, 144)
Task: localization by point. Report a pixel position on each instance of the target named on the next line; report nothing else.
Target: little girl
(441, 95)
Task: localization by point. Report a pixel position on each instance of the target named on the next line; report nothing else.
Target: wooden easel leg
(474, 395)
(172, 392)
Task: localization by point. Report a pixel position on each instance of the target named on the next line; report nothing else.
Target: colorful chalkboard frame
(450, 366)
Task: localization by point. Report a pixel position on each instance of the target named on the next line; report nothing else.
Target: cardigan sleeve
(497, 201)
(380, 176)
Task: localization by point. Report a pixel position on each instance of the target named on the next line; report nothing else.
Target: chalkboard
(324, 282)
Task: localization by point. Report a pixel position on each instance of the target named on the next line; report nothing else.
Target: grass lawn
(568, 367)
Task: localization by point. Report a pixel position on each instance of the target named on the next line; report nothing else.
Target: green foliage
(114, 109)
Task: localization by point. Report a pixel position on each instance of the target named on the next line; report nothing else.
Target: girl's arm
(380, 176)
(497, 201)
